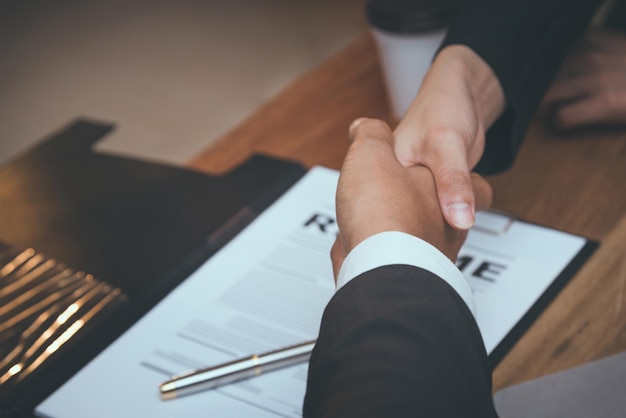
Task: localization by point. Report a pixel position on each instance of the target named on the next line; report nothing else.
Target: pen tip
(168, 391)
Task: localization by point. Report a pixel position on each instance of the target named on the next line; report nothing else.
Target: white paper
(509, 264)
(267, 289)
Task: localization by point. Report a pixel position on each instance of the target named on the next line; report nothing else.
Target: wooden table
(574, 183)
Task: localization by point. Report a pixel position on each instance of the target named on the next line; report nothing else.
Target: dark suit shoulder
(398, 341)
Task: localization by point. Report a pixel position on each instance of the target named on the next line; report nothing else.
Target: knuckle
(370, 129)
(368, 124)
(448, 134)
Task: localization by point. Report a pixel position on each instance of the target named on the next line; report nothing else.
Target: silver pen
(233, 371)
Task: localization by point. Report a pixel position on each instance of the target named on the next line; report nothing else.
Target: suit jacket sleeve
(398, 342)
(524, 42)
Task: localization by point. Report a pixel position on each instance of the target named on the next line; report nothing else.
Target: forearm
(398, 342)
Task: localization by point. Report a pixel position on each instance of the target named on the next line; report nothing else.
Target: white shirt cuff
(392, 247)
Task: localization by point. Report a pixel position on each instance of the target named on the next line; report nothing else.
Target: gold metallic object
(43, 306)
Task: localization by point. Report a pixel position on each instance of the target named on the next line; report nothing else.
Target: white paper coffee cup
(408, 33)
(405, 59)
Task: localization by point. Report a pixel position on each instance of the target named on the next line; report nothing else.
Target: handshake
(376, 193)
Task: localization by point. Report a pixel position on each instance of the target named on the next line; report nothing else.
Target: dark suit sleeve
(524, 42)
(398, 342)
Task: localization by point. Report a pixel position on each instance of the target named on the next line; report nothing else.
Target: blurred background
(172, 75)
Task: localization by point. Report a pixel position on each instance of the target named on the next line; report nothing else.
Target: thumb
(444, 153)
(455, 194)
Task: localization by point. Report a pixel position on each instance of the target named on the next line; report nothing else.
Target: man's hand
(376, 193)
(591, 86)
(444, 128)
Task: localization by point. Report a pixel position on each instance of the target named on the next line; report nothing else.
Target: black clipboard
(142, 227)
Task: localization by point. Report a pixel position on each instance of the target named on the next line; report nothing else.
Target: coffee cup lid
(409, 16)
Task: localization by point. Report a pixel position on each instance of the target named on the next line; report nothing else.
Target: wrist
(477, 77)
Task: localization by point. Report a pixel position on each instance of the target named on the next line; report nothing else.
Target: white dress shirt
(387, 248)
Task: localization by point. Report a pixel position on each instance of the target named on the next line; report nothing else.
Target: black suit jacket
(398, 341)
(524, 42)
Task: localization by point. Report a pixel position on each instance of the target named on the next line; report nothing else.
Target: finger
(606, 40)
(448, 163)
(580, 63)
(483, 193)
(371, 140)
(456, 197)
(594, 72)
(370, 128)
(353, 126)
(571, 88)
(606, 108)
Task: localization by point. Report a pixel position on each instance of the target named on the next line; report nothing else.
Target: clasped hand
(444, 128)
(376, 193)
